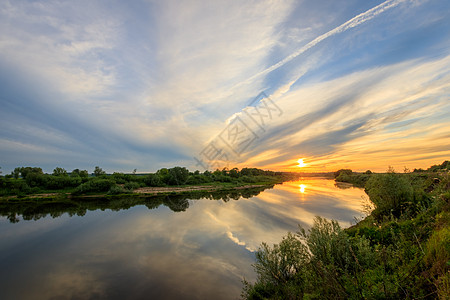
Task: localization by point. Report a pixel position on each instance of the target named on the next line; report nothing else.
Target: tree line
(32, 180)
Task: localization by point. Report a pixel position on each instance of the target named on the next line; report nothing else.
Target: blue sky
(148, 84)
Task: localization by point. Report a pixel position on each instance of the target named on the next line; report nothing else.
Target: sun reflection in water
(302, 188)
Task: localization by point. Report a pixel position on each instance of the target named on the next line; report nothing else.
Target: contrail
(359, 19)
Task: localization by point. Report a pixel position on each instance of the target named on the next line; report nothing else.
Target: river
(200, 251)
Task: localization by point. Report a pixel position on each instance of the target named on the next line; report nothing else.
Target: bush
(120, 177)
(323, 262)
(389, 192)
(95, 185)
(247, 179)
(61, 182)
(279, 270)
(36, 179)
(342, 172)
(131, 185)
(116, 190)
(153, 180)
(198, 179)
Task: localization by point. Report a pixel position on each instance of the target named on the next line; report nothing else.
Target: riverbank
(27, 182)
(146, 191)
(401, 250)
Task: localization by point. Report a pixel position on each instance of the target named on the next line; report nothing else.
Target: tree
(178, 175)
(99, 171)
(234, 172)
(163, 174)
(24, 171)
(84, 174)
(59, 172)
(75, 173)
(16, 173)
(342, 171)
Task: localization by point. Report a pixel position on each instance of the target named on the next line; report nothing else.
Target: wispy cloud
(359, 19)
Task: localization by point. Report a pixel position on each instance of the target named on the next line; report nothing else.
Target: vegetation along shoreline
(401, 250)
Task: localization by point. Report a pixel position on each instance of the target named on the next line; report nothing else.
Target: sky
(144, 85)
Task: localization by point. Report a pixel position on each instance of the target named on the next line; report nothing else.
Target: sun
(301, 163)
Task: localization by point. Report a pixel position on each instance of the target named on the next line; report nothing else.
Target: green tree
(99, 171)
(16, 173)
(84, 174)
(59, 172)
(178, 175)
(342, 172)
(163, 175)
(234, 173)
(24, 171)
(153, 180)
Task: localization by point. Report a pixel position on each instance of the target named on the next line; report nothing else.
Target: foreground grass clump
(323, 262)
(400, 251)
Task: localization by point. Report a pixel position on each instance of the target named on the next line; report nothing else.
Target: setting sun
(301, 163)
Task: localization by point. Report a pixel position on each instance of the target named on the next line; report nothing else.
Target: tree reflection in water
(35, 209)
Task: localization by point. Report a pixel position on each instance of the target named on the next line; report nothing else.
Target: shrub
(60, 182)
(389, 192)
(153, 180)
(95, 185)
(342, 171)
(323, 262)
(116, 189)
(131, 185)
(247, 179)
(279, 270)
(198, 179)
(36, 179)
(119, 177)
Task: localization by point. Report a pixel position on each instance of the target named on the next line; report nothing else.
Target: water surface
(174, 249)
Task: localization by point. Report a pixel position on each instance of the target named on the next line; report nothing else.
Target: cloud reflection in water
(202, 252)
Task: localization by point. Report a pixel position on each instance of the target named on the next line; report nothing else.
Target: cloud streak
(359, 19)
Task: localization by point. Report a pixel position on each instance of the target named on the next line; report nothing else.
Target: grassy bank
(400, 251)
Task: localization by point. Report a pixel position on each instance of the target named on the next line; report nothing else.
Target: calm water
(202, 252)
